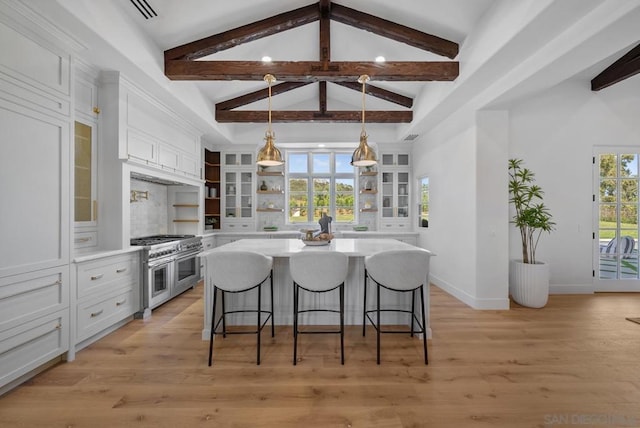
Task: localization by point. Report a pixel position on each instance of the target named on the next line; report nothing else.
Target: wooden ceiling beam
(259, 95)
(286, 116)
(383, 94)
(246, 33)
(311, 71)
(393, 31)
(628, 65)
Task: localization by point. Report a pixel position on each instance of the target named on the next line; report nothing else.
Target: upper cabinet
(147, 132)
(395, 191)
(85, 160)
(238, 186)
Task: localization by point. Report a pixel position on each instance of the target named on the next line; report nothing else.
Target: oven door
(160, 277)
(187, 272)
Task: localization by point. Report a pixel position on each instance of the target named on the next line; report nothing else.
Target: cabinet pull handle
(121, 303)
(95, 314)
(93, 278)
(121, 270)
(78, 240)
(59, 326)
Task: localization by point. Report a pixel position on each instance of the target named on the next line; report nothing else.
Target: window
(320, 182)
(423, 205)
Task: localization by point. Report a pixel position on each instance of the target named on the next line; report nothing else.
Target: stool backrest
(399, 269)
(237, 270)
(318, 270)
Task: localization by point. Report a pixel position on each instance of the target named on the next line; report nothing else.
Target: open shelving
(212, 189)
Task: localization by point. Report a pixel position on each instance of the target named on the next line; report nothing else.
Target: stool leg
(413, 308)
(273, 327)
(342, 323)
(295, 323)
(378, 322)
(258, 331)
(224, 318)
(364, 306)
(424, 325)
(213, 321)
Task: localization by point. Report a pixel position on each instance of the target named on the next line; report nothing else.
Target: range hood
(152, 179)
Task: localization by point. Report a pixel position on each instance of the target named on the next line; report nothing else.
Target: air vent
(411, 137)
(144, 8)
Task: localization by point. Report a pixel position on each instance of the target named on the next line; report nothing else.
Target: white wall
(555, 133)
(448, 159)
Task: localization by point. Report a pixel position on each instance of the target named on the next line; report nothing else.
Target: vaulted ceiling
(507, 51)
(181, 63)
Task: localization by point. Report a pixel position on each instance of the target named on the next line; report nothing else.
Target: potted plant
(529, 278)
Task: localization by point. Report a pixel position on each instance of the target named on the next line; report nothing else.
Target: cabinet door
(388, 187)
(85, 184)
(238, 195)
(402, 191)
(238, 159)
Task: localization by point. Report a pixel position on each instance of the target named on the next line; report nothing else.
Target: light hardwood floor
(574, 363)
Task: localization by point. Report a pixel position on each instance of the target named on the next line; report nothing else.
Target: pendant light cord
(363, 79)
(270, 132)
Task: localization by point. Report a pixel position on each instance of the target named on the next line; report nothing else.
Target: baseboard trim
(571, 289)
(473, 302)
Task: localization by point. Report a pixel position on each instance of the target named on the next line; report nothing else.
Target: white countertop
(104, 253)
(286, 247)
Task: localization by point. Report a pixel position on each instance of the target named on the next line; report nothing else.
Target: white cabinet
(395, 191)
(148, 132)
(85, 189)
(238, 185)
(34, 322)
(108, 292)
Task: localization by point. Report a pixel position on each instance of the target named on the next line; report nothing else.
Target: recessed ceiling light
(322, 145)
(380, 58)
(266, 58)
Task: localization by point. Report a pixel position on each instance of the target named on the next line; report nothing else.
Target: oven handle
(157, 263)
(183, 256)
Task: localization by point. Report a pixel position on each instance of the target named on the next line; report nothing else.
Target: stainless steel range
(170, 266)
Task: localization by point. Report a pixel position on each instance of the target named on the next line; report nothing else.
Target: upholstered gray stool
(318, 272)
(238, 272)
(403, 271)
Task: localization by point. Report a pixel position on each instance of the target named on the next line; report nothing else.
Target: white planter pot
(529, 283)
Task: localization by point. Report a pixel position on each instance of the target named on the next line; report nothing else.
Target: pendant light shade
(269, 155)
(363, 155)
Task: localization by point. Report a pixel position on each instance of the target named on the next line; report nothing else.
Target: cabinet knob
(96, 110)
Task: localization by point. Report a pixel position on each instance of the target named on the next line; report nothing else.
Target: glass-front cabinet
(395, 191)
(239, 191)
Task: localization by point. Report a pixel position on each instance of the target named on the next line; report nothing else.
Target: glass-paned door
(616, 217)
(388, 183)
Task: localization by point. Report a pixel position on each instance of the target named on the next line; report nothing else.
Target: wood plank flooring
(574, 363)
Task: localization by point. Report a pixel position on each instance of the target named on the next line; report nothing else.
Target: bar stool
(403, 271)
(238, 272)
(318, 272)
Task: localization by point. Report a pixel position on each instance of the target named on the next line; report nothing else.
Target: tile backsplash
(149, 216)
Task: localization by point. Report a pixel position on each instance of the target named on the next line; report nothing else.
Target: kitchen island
(281, 250)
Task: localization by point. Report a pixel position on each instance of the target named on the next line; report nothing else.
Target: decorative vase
(263, 186)
(529, 283)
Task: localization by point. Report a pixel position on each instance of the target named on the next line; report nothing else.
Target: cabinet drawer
(96, 315)
(101, 276)
(25, 297)
(32, 344)
(85, 239)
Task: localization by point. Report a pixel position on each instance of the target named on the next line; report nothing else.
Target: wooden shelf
(368, 192)
(369, 173)
(369, 210)
(186, 220)
(270, 192)
(211, 164)
(187, 205)
(270, 173)
(270, 210)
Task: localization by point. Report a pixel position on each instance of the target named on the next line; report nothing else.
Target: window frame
(332, 176)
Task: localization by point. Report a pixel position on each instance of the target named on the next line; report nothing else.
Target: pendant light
(363, 155)
(269, 155)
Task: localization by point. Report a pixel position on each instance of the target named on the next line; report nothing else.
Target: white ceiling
(509, 50)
